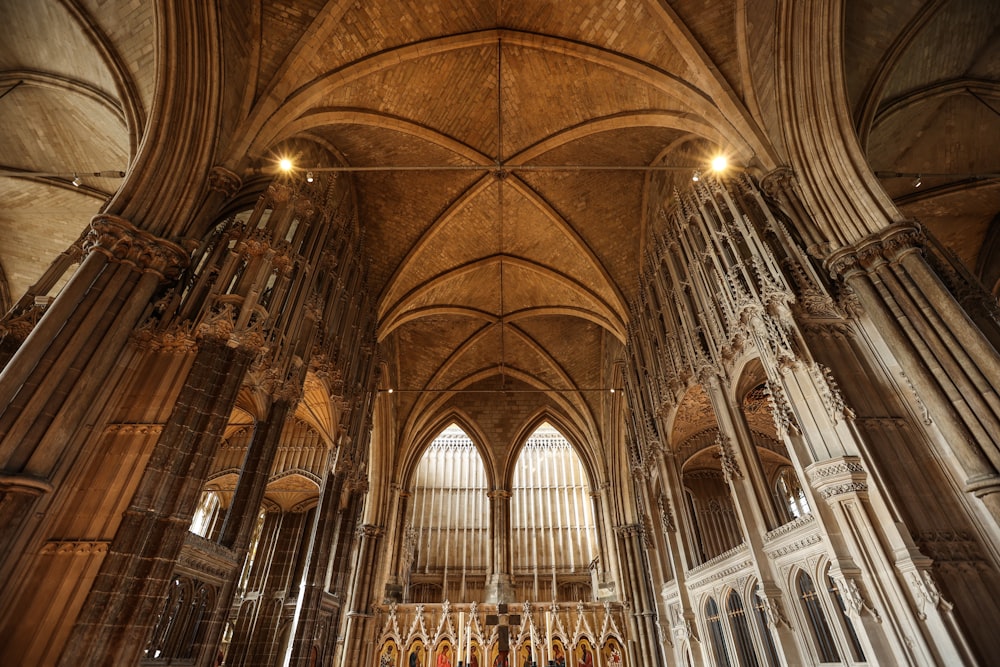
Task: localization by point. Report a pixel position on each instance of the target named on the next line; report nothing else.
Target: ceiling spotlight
(696, 177)
(285, 164)
(719, 163)
(77, 180)
(917, 182)
(309, 177)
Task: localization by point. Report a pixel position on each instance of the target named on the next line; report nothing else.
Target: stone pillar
(398, 579)
(358, 624)
(631, 544)
(17, 324)
(117, 618)
(319, 560)
(252, 484)
(500, 587)
(954, 369)
(750, 506)
(340, 567)
(52, 383)
(258, 638)
(683, 627)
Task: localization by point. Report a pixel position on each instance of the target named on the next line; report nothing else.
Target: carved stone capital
(777, 182)
(841, 476)
(225, 181)
(888, 245)
(122, 242)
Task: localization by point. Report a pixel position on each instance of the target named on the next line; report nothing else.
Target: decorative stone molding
(840, 476)
(829, 390)
(854, 600)
(75, 547)
(21, 321)
(721, 558)
(175, 339)
(730, 467)
(777, 182)
(369, 530)
(666, 515)
(134, 429)
(120, 241)
(924, 412)
(24, 485)
(790, 527)
(209, 559)
(836, 467)
(949, 546)
(926, 593)
(772, 609)
(792, 547)
(781, 410)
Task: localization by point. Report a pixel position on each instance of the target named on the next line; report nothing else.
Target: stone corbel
(840, 476)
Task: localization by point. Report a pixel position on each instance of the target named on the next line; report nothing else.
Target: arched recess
(428, 406)
(714, 522)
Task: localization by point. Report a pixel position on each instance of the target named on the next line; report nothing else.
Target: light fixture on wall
(918, 181)
(77, 180)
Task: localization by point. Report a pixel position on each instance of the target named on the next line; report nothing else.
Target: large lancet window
(848, 626)
(716, 635)
(741, 631)
(447, 542)
(825, 644)
(553, 532)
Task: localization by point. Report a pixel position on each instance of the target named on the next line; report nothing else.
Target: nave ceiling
(495, 267)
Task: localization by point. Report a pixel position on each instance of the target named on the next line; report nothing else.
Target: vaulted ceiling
(498, 146)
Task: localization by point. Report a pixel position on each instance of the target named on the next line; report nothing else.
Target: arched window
(852, 636)
(791, 497)
(765, 632)
(206, 515)
(715, 634)
(449, 521)
(813, 607)
(553, 531)
(741, 631)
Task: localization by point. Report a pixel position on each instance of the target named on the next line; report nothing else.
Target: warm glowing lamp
(719, 163)
(285, 164)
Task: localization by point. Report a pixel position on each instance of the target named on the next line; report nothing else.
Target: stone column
(52, 383)
(116, 618)
(397, 577)
(256, 468)
(500, 587)
(752, 509)
(259, 642)
(340, 567)
(954, 370)
(359, 615)
(683, 627)
(321, 555)
(634, 566)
